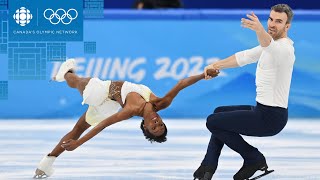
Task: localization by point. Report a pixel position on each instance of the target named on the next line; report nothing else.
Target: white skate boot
(44, 168)
(69, 64)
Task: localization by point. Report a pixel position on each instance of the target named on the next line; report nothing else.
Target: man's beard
(276, 34)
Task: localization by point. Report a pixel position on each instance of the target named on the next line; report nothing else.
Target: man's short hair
(284, 8)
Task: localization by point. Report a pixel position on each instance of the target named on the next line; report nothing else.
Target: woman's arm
(162, 103)
(71, 144)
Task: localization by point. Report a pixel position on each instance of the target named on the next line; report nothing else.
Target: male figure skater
(275, 57)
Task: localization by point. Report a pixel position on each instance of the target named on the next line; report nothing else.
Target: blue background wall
(158, 49)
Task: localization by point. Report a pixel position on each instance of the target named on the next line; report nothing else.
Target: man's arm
(71, 144)
(162, 103)
(245, 57)
(239, 59)
(254, 24)
(229, 62)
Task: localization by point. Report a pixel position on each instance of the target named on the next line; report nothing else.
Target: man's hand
(70, 145)
(211, 71)
(252, 23)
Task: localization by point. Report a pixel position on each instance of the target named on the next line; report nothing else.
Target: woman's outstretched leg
(44, 168)
(74, 81)
(75, 133)
(66, 73)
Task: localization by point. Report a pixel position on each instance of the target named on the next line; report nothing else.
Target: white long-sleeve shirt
(274, 70)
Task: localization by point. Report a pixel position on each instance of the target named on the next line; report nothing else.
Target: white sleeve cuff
(248, 56)
(240, 58)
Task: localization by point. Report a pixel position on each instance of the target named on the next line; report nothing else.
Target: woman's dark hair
(152, 138)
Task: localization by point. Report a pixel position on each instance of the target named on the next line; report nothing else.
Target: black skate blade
(264, 174)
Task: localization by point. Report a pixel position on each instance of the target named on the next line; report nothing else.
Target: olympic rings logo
(60, 15)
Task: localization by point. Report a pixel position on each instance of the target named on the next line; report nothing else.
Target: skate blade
(264, 174)
(40, 174)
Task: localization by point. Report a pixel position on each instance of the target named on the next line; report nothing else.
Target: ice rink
(120, 152)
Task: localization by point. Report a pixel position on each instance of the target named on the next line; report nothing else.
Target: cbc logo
(22, 16)
(60, 15)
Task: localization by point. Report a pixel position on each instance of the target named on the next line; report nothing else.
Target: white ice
(120, 152)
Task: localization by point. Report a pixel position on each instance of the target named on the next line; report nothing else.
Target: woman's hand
(70, 145)
(211, 71)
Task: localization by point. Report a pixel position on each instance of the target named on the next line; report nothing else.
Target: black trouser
(228, 122)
